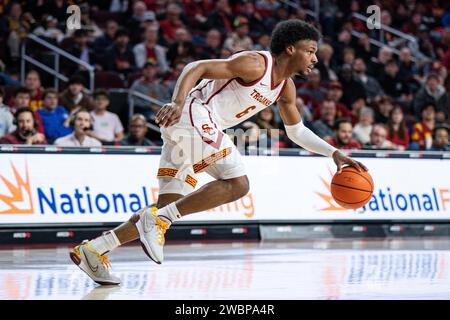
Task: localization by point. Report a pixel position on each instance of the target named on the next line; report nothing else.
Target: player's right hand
(168, 115)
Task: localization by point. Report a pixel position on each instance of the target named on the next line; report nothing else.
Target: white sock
(105, 243)
(169, 213)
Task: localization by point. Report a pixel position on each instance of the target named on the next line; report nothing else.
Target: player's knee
(239, 187)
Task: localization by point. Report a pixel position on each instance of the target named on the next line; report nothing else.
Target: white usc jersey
(232, 101)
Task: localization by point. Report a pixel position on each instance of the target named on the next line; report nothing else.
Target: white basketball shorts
(196, 144)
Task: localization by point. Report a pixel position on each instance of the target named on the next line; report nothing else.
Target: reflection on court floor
(338, 269)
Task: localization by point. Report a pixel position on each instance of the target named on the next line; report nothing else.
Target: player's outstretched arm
(301, 135)
(246, 65)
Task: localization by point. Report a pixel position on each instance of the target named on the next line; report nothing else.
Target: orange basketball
(352, 189)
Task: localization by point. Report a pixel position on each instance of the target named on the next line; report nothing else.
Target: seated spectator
(18, 25)
(221, 18)
(352, 87)
(152, 87)
(137, 131)
(266, 120)
(343, 132)
(397, 131)
(421, 136)
(172, 23)
(348, 56)
(107, 126)
(33, 84)
(239, 39)
(26, 132)
(82, 50)
(335, 93)
(408, 70)
(74, 96)
(363, 128)
(305, 112)
(53, 116)
(255, 24)
(440, 138)
(385, 107)
(150, 51)
(212, 47)
(326, 64)
(378, 64)
(355, 108)
(324, 126)
(378, 139)
(312, 88)
(6, 117)
(120, 57)
(263, 43)
(49, 29)
(391, 81)
(181, 49)
(371, 85)
(102, 43)
(433, 93)
(363, 48)
(133, 24)
(171, 80)
(88, 23)
(21, 99)
(82, 124)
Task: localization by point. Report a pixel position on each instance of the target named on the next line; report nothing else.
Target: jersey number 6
(243, 113)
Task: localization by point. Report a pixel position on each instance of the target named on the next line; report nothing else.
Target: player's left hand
(340, 159)
(168, 115)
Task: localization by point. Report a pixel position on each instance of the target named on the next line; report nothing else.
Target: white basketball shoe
(151, 230)
(96, 266)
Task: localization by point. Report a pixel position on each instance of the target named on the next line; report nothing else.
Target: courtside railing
(55, 71)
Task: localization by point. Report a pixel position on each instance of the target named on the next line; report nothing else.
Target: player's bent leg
(154, 222)
(213, 194)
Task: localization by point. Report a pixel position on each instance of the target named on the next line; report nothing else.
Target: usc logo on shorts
(207, 129)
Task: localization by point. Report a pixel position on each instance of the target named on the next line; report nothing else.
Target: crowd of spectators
(359, 96)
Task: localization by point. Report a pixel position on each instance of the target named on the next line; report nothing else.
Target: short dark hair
(101, 92)
(441, 127)
(340, 121)
(76, 79)
(49, 91)
(2, 92)
(23, 110)
(288, 32)
(122, 32)
(22, 90)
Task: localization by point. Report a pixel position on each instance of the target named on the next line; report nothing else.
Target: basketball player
(230, 91)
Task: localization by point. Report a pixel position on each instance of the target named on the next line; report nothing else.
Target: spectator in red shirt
(33, 83)
(422, 133)
(335, 93)
(26, 132)
(397, 131)
(172, 22)
(343, 132)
